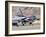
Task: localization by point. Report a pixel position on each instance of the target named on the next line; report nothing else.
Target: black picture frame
(6, 18)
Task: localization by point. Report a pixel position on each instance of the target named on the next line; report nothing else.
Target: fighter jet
(23, 19)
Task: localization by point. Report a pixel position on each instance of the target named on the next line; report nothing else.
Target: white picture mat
(24, 31)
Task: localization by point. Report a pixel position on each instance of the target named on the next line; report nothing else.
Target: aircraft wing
(18, 18)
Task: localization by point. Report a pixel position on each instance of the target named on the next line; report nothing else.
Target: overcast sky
(26, 11)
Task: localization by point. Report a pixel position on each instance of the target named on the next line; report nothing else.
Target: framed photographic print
(24, 18)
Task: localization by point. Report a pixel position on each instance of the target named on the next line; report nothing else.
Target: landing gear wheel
(30, 23)
(23, 24)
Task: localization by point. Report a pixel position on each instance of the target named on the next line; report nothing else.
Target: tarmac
(27, 26)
